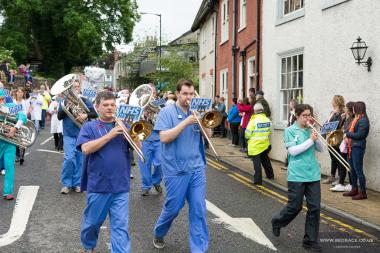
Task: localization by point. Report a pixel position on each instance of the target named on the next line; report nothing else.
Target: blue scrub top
(108, 169)
(186, 153)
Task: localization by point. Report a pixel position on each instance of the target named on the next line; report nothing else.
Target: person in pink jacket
(245, 111)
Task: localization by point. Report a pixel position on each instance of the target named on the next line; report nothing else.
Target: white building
(306, 55)
(205, 22)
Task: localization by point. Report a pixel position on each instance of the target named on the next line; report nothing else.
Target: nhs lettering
(129, 112)
(200, 104)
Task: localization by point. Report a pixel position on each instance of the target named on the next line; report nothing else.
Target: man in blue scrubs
(183, 165)
(151, 149)
(105, 177)
(72, 159)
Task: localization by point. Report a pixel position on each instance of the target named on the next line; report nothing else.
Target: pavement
(364, 212)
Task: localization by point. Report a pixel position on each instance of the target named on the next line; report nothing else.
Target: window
(243, 14)
(204, 42)
(251, 73)
(291, 82)
(223, 88)
(290, 6)
(212, 44)
(224, 21)
(288, 10)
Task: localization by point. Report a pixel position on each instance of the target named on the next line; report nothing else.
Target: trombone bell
(211, 119)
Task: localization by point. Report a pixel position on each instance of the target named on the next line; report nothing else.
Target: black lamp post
(359, 48)
(158, 15)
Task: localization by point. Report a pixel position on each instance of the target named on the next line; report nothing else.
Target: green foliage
(6, 55)
(174, 67)
(65, 33)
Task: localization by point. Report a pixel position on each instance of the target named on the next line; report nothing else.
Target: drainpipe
(215, 10)
(234, 48)
(258, 51)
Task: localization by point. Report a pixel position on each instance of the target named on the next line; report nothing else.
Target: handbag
(343, 147)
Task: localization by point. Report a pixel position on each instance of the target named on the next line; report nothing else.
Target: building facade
(306, 56)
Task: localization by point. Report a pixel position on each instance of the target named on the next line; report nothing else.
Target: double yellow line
(325, 219)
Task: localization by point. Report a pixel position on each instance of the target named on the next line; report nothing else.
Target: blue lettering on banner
(329, 127)
(89, 93)
(6, 92)
(15, 109)
(129, 112)
(200, 104)
(263, 125)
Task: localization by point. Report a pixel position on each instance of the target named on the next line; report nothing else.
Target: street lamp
(359, 48)
(159, 15)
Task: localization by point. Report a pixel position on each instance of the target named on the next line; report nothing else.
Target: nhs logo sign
(200, 104)
(129, 112)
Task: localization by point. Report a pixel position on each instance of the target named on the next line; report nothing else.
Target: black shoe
(158, 243)
(21, 161)
(145, 192)
(257, 183)
(276, 230)
(312, 246)
(133, 163)
(244, 150)
(158, 188)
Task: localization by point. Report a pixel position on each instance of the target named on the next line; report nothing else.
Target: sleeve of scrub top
(85, 135)
(163, 121)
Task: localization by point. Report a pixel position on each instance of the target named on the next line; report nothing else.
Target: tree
(174, 67)
(65, 33)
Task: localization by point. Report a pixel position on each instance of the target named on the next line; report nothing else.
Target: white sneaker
(348, 188)
(3, 172)
(338, 188)
(65, 190)
(335, 182)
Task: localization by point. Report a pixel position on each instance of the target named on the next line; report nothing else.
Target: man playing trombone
(183, 165)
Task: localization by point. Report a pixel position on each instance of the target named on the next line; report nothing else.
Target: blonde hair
(339, 101)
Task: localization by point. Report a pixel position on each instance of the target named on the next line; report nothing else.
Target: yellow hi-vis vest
(257, 133)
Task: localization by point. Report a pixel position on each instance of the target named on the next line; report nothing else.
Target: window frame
(326, 4)
(249, 74)
(224, 36)
(284, 18)
(242, 19)
(280, 122)
(223, 89)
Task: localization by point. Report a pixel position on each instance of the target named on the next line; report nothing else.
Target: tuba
(143, 96)
(77, 106)
(24, 136)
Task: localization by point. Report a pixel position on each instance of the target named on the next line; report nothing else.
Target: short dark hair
(234, 100)
(252, 90)
(303, 107)
(360, 108)
(184, 82)
(103, 95)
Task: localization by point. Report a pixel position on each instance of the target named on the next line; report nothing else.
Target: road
(54, 221)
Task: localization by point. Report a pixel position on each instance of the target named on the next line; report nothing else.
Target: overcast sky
(177, 18)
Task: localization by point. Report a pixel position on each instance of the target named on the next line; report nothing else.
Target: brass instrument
(140, 130)
(143, 96)
(75, 105)
(332, 138)
(210, 119)
(24, 137)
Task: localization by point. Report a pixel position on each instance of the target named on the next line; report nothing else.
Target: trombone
(335, 153)
(210, 119)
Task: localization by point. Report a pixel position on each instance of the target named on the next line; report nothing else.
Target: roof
(205, 9)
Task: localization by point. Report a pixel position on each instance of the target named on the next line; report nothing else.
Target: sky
(177, 18)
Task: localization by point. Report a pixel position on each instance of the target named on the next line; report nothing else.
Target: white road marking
(45, 141)
(27, 154)
(244, 226)
(49, 151)
(24, 204)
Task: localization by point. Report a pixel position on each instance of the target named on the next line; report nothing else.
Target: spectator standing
(171, 98)
(260, 99)
(222, 109)
(234, 119)
(36, 101)
(292, 112)
(45, 92)
(56, 124)
(245, 111)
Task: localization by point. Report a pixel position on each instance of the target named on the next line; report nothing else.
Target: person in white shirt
(36, 101)
(56, 124)
(171, 98)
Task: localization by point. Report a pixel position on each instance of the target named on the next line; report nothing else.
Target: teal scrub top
(303, 167)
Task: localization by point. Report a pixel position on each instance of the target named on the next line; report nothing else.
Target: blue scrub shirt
(108, 169)
(186, 153)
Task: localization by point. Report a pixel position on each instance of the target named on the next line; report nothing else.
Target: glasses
(305, 115)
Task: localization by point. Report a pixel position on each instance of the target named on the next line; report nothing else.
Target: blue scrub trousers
(191, 187)
(152, 155)
(72, 163)
(8, 155)
(95, 213)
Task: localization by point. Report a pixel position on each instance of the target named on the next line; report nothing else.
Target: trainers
(312, 246)
(9, 197)
(329, 180)
(3, 172)
(145, 192)
(77, 189)
(89, 251)
(338, 188)
(65, 190)
(158, 243)
(335, 182)
(158, 188)
(347, 188)
(132, 176)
